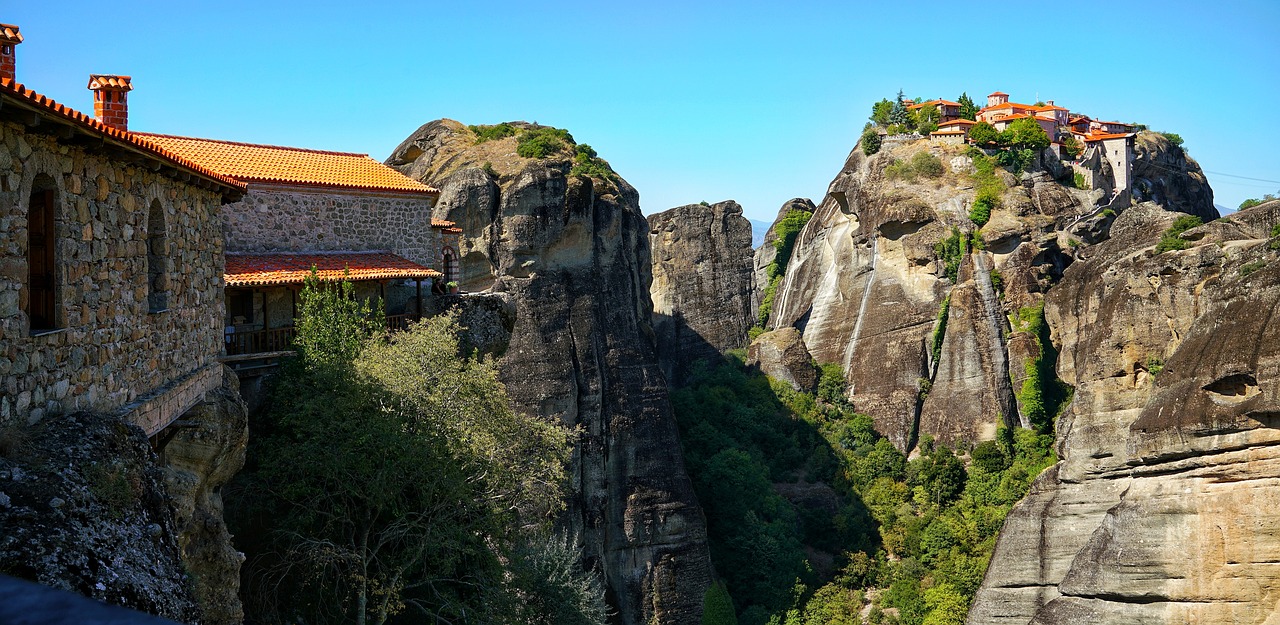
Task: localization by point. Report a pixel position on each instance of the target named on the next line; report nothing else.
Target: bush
(900, 170)
(1072, 147)
(870, 141)
(1080, 182)
(1172, 239)
(543, 142)
(717, 606)
(1025, 134)
(490, 133)
(1173, 138)
(951, 251)
(927, 165)
(586, 163)
(1253, 201)
(980, 213)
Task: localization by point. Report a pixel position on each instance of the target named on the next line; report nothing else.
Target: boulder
(781, 355)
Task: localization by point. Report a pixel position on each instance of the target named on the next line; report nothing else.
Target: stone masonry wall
(111, 352)
(293, 219)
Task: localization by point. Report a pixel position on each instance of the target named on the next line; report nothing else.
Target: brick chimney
(9, 40)
(110, 101)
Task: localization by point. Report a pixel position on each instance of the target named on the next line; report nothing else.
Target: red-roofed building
(111, 260)
(947, 109)
(320, 205)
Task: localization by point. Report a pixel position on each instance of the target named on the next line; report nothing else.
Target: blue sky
(754, 101)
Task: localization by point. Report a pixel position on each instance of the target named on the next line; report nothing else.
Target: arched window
(157, 259)
(42, 267)
(450, 264)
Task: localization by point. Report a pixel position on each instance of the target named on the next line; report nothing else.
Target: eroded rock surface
(572, 253)
(781, 355)
(703, 286)
(1165, 506)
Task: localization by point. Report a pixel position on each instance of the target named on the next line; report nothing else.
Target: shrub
(717, 606)
(1173, 138)
(950, 251)
(1253, 201)
(927, 165)
(870, 141)
(1072, 147)
(543, 142)
(1154, 365)
(980, 213)
(900, 170)
(586, 163)
(1172, 238)
(1080, 182)
(1249, 268)
(493, 132)
(997, 282)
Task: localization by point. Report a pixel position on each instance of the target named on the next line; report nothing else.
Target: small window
(42, 299)
(6, 49)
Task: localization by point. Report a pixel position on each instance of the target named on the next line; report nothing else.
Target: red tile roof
(934, 103)
(110, 81)
(996, 93)
(958, 122)
(16, 90)
(9, 34)
(250, 162)
(441, 223)
(278, 269)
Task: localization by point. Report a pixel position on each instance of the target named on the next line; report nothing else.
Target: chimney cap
(9, 34)
(110, 82)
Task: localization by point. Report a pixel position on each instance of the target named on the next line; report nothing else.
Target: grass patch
(1249, 268)
(493, 132)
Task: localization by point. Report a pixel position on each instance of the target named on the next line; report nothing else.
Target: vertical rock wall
(703, 287)
(572, 254)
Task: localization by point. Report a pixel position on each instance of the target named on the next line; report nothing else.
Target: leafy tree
(550, 586)
(983, 134)
(870, 141)
(1172, 239)
(926, 119)
(987, 456)
(945, 605)
(717, 606)
(968, 110)
(388, 475)
(1025, 134)
(1173, 138)
(1072, 146)
(880, 112)
(898, 113)
(1251, 202)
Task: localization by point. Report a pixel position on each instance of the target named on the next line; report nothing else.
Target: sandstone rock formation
(766, 252)
(572, 254)
(869, 275)
(703, 292)
(781, 355)
(1164, 507)
(200, 458)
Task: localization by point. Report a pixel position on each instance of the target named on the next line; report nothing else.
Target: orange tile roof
(9, 34)
(278, 269)
(958, 122)
(251, 162)
(441, 223)
(1102, 136)
(934, 103)
(996, 93)
(16, 90)
(110, 81)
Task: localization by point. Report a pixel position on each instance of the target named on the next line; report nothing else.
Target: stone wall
(304, 219)
(109, 351)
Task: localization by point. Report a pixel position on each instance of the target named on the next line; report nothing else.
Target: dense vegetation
(542, 142)
(389, 480)
(921, 165)
(1253, 201)
(1041, 394)
(785, 232)
(812, 513)
(988, 187)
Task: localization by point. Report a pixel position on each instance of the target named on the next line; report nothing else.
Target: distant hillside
(758, 228)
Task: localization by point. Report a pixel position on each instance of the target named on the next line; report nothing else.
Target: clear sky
(689, 101)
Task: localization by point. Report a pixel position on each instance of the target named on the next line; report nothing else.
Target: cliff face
(703, 290)
(892, 280)
(571, 254)
(1163, 508)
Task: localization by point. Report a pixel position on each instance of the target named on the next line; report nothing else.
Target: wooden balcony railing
(281, 339)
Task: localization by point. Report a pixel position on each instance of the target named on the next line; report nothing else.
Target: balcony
(277, 340)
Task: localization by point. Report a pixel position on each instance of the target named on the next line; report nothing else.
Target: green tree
(968, 110)
(926, 118)
(389, 475)
(1025, 134)
(551, 587)
(946, 606)
(717, 606)
(1253, 201)
(898, 113)
(870, 141)
(880, 112)
(983, 134)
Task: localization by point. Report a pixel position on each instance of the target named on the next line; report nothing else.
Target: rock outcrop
(1164, 174)
(781, 355)
(83, 508)
(1164, 506)
(870, 273)
(572, 254)
(703, 288)
(203, 455)
(766, 253)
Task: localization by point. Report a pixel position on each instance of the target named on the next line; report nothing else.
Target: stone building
(344, 214)
(111, 263)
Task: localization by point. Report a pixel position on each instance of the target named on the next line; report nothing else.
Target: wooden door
(41, 242)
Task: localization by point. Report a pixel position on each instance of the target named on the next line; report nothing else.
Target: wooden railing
(281, 339)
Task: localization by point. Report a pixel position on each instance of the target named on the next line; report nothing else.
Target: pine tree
(717, 606)
(898, 114)
(968, 110)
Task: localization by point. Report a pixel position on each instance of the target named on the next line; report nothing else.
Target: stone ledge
(161, 408)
